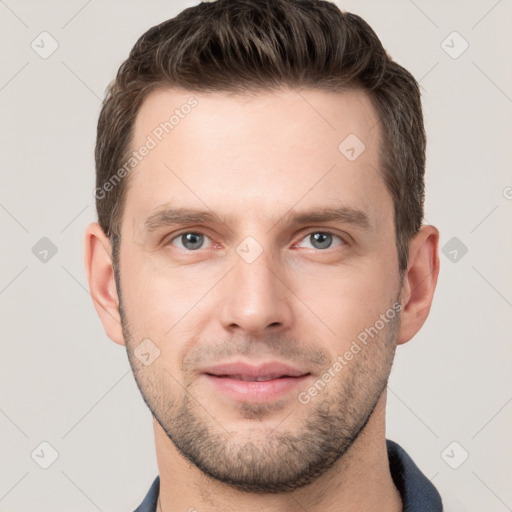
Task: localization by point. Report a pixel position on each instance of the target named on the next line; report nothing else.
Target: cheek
(160, 300)
(344, 301)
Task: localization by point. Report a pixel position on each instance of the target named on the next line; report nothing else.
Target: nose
(257, 297)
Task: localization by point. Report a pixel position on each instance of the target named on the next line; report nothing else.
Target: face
(255, 257)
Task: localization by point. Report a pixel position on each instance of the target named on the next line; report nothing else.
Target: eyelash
(309, 233)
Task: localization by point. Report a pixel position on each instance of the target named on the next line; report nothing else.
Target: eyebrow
(181, 216)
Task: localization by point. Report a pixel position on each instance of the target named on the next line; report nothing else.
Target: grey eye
(191, 241)
(321, 240)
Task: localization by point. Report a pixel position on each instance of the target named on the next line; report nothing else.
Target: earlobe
(419, 282)
(100, 276)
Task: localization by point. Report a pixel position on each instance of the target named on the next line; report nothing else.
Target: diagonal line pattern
(492, 286)
(486, 14)
(5, 495)
(412, 412)
(428, 72)
(75, 279)
(100, 399)
(14, 218)
(491, 490)
(76, 14)
(89, 293)
(314, 109)
(80, 80)
(13, 279)
(88, 497)
(491, 80)
(13, 13)
(14, 76)
(279, 424)
(3, 412)
(424, 14)
(74, 218)
(492, 211)
(299, 504)
(501, 409)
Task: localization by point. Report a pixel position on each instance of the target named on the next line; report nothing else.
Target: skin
(251, 159)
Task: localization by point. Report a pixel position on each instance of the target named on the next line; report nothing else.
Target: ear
(100, 275)
(419, 282)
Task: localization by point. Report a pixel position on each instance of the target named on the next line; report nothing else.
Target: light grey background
(64, 382)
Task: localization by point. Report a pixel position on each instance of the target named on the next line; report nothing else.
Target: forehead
(256, 155)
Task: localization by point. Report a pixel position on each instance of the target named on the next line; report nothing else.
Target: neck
(360, 480)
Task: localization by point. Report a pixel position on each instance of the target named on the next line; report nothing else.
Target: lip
(273, 369)
(238, 380)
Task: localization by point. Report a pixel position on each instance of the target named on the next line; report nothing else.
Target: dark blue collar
(418, 493)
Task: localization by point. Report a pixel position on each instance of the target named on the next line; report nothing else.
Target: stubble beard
(261, 459)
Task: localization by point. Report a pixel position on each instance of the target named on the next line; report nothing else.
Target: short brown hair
(257, 45)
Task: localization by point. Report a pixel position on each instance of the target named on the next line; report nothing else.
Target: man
(260, 253)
